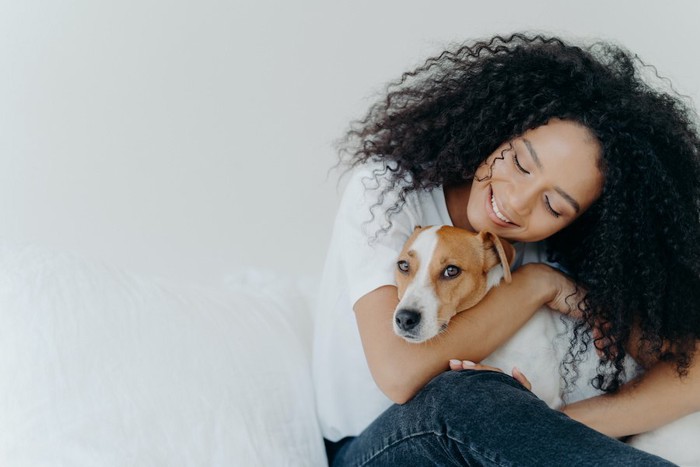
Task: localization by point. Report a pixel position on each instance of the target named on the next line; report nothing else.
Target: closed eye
(517, 164)
(550, 209)
(548, 205)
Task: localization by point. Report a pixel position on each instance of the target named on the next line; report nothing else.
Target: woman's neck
(456, 198)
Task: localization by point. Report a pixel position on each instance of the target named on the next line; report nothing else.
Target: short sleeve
(369, 242)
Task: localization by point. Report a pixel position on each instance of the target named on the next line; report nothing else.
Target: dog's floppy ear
(497, 251)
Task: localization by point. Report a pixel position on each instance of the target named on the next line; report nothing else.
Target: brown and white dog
(443, 270)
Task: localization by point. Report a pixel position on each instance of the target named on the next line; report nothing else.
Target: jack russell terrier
(443, 270)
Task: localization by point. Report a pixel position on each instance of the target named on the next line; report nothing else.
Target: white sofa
(99, 367)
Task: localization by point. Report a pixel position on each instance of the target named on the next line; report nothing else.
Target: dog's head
(443, 270)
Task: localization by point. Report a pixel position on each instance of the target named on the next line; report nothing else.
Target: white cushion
(99, 367)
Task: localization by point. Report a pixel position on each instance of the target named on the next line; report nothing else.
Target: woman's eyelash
(517, 163)
(550, 209)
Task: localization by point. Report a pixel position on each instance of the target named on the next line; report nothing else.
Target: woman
(566, 151)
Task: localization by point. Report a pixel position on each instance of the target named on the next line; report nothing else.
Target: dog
(443, 270)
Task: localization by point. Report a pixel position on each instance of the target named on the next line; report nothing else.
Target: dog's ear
(497, 251)
(416, 228)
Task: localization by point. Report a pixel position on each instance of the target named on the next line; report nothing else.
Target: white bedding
(102, 368)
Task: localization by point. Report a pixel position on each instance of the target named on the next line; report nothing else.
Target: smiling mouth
(498, 213)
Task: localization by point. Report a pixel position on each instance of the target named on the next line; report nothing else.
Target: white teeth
(498, 213)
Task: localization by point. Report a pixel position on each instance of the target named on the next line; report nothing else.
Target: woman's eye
(451, 271)
(403, 266)
(517, 164)
(550, 209)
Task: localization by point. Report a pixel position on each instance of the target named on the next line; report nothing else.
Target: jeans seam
(430, 432)
(398, 441)
(480, 454)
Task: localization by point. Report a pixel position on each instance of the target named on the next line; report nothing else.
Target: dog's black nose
(407, 319)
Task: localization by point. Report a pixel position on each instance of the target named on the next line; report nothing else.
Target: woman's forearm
(654, 399)
(401, 368)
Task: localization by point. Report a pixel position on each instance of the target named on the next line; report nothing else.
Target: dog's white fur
(538, 350)
(420, 294)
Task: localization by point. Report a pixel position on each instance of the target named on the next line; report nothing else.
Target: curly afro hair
(636, 249)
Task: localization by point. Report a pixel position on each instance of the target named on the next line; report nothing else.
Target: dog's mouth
(417, 338)
(411, 337)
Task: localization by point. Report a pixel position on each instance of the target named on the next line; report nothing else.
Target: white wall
(191, 138)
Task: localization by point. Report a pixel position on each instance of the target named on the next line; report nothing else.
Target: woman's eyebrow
(562, 193)
(568, 198)
(533, 153)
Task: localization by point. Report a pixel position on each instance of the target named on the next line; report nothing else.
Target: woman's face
(537, 184)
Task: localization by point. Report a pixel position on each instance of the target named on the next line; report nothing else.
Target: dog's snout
(407, 319)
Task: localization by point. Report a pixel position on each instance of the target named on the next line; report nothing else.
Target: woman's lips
(492, 215)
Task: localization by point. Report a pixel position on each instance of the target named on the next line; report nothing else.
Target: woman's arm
(401, 369)
(656, 398)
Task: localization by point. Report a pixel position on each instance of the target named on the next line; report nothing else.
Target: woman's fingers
(597, 338)
(456, 365)
(469, 365)
(567, 294)
(521, 378)
(600, 342)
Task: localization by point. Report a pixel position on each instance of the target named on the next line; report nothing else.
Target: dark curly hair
(637, 248)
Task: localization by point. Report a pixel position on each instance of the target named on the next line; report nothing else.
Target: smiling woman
(566, 150)
(533, 186)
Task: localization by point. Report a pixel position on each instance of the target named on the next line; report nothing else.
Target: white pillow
(102, 368)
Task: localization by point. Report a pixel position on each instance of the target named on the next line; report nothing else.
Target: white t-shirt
(347, 398)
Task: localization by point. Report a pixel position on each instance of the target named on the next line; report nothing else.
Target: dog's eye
(451, 271)
(403, 266)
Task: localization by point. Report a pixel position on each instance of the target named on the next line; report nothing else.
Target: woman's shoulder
(378, 191)
(376, 176)
(374, 186)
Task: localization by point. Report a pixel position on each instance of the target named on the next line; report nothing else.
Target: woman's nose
(522, 197)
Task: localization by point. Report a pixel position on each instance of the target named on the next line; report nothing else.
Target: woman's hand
(469, 365)
(564, 294)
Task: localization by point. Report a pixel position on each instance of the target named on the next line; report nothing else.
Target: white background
(189, 139)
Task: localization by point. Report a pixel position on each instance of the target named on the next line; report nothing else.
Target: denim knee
(449, 415)
(440, 418)
(467, 387)
(472, 417)
(454, 396)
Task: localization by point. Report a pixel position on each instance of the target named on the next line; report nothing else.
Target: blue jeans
(483, 418)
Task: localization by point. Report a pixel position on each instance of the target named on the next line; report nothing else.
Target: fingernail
(455, 362)
(468, 363)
